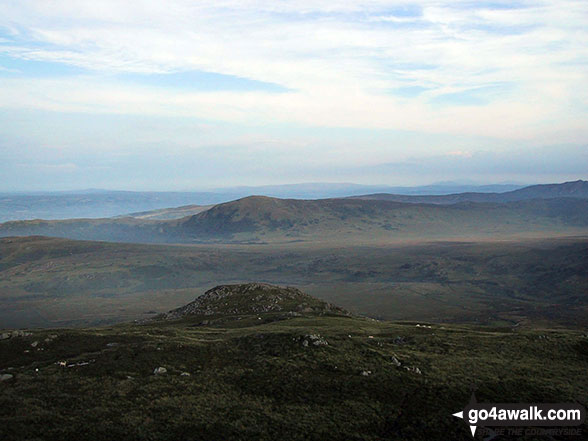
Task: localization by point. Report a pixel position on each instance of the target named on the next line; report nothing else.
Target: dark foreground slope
(55, 282)
(274, 376)
(258, 219)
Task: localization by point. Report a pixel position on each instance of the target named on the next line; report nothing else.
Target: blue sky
(188, 95)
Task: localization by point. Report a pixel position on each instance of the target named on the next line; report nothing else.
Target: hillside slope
(262, 377)
(261, 219)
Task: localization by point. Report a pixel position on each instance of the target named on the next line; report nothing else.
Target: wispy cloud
(501, 69)
(333, 54)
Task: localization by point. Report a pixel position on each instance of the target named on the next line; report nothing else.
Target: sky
(188, 94)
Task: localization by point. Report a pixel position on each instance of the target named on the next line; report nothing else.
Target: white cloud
(339, 58)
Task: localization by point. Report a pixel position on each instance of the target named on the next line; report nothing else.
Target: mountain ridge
(572, 189)
(261, 219)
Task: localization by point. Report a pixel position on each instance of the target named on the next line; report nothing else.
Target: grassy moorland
(56, 282)
(262, 377)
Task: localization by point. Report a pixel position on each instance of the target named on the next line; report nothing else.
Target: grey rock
(365, 373)
(6, 377)
(4, 336)
(35, 344)
(185, 374)
(317, 340)
(395, 361)
(159, 371)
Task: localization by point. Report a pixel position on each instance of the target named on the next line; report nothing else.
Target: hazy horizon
(301, 185)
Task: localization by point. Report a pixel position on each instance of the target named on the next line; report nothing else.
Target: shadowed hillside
(55, 282)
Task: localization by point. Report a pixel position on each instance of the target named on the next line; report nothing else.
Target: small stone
(159, 371)
(6, 377)
(112, 345)
(185, 374)
(305, 343)
(35, 344)
(4, 336)
(366, 373)
(396, 362)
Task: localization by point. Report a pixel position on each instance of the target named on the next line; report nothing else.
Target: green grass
(255, 380)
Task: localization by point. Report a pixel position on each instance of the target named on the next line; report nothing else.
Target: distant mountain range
(576, 189)
(260, 219)
(95, 203)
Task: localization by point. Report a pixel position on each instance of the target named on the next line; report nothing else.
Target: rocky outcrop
(253, 298)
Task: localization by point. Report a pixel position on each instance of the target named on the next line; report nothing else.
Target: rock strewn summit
(253, 298)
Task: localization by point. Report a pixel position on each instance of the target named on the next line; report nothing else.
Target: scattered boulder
(18, 333)
(395, 361)
(159, 371)
(365, 373)
(399, 340)
(50, 338)
(315, 340)
(6, 377)
(112, 345)
(413, 369)
(35, 344)
(4, 336)
(185, 374)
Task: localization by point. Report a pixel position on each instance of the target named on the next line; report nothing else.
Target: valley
(52, 282)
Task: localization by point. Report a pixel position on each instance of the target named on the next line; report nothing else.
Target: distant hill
(107, 203)
(262, 219)
(576, 189)
(169, 213)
